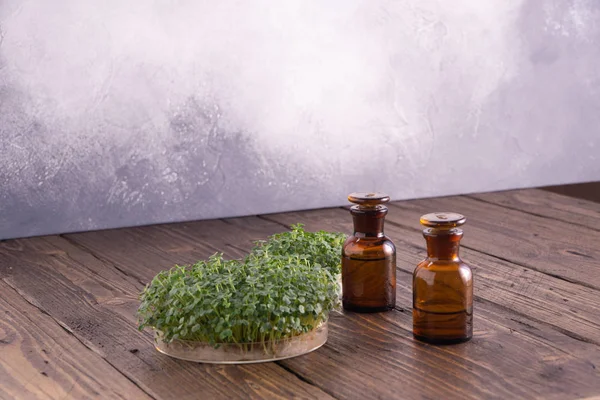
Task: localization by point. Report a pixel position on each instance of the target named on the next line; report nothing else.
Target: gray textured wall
(116, 113)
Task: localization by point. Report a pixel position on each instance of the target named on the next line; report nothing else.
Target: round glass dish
(244, 353)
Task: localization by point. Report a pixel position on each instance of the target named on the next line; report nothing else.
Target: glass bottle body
(368, 264)
(443, 291)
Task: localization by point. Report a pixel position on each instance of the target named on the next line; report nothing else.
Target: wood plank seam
(70, 332)
(82, 247)
(559, 207)
(530, 334)
(27, 382)
(305, 379)
(562, 278)
(565, 332)
(473, 197)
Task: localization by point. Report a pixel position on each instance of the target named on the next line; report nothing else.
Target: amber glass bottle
(368, 257)
(442, 284)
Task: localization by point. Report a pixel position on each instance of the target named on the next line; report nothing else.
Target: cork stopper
(443, 220)
(368, 199)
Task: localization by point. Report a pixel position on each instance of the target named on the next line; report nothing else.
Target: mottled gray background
(117, 113)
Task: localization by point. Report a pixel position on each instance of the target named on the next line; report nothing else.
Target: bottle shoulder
(369, 241)
(381, 246)
(429, 267)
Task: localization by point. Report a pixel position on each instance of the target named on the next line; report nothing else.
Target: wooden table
(68, 302)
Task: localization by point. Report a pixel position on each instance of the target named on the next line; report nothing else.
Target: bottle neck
(443, 244)
(368, 222)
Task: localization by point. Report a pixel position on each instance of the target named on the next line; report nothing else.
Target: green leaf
(291, 274)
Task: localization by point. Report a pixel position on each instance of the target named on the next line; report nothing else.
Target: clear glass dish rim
(321, 330)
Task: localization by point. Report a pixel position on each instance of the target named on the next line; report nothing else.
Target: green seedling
(286, 286)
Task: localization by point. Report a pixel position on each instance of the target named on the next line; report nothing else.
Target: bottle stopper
(443, 220)
(368, 199)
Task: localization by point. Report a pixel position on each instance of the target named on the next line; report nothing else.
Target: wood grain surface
(554, 247)
(536, 327)
(40, 359)
(547, 204)
(97, 302)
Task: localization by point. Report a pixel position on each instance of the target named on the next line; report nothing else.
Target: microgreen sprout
(286, 286)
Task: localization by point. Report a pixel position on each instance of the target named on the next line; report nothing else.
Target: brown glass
(442, 287)
(368, 258)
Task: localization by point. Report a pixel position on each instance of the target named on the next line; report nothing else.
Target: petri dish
(244, 353)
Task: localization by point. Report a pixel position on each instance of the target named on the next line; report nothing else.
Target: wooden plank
(568, 307)
(370, 356)
(96, 302)
(147, 250)
(547, 204)
(39, 359)
(587, 190)
(557, 248)
(358, 359)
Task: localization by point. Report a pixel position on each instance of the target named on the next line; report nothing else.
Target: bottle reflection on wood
(443, 284)
(368, 257)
